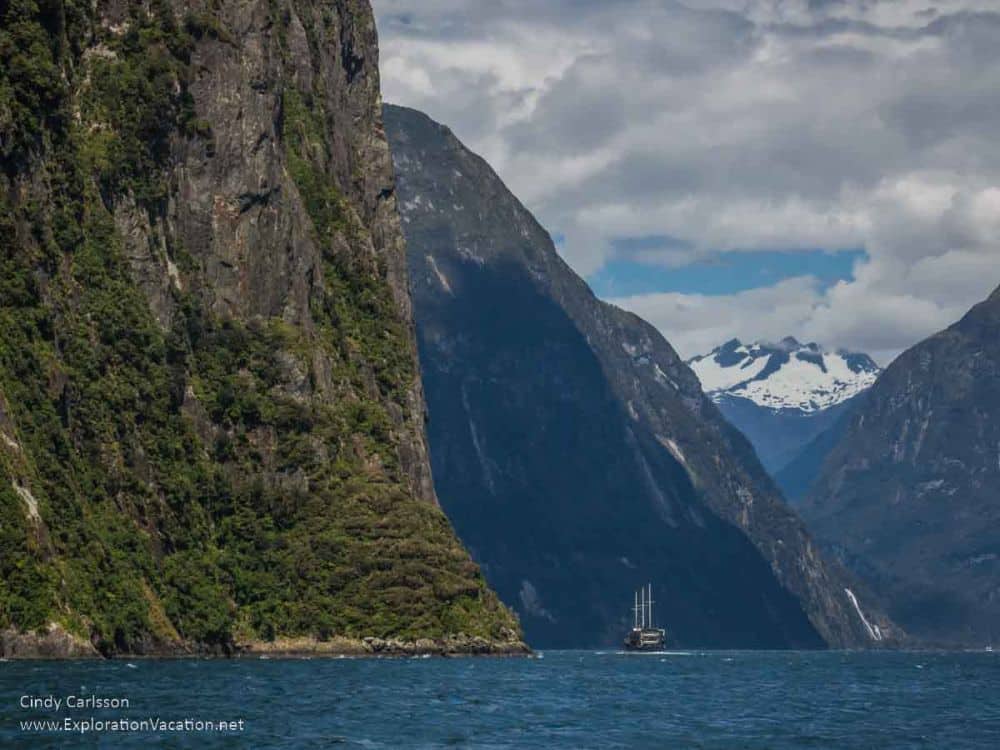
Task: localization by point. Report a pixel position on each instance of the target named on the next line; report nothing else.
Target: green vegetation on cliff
(199, 477)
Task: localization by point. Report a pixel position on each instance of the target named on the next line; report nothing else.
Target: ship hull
(647, 639)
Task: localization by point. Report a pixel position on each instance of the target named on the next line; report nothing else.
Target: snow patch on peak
(718, 374)
(786, 375)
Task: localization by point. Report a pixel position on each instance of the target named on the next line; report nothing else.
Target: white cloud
(695, 323)
(736, 125)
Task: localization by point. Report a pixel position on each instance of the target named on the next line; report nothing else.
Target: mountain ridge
(907, 494)
(822, 379)
(520, 361)
(783, 396)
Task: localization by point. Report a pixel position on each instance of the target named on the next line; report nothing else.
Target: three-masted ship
(644, 636)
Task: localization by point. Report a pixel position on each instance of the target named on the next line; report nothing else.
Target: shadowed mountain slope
(574, 451)
(908, 495)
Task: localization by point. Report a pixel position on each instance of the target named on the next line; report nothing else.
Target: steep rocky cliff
(575, 452)
(908, 495)
(211, 421)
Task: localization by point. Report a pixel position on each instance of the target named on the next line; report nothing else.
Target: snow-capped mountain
(782, 395)
(787, 375)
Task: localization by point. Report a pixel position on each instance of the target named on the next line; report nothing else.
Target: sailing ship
(644, 636)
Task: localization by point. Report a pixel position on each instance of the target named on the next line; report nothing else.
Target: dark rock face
(574, 451)
(908, 495)
(211, 420)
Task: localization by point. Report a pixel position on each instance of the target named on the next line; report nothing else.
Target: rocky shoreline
(458, 645)
(57, 643)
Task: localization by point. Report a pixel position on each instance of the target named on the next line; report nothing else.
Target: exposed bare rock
(52, 642)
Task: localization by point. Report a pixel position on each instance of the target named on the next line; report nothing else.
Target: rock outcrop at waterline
(211, 421)
(452, 645)
(49, 642)
(575, 451)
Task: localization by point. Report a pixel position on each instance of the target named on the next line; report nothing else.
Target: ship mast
(643, 602)
(635, 612)
(650, 600)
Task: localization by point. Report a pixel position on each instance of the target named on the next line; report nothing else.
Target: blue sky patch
(719, 273)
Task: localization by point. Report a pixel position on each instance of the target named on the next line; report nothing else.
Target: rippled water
(570, 699)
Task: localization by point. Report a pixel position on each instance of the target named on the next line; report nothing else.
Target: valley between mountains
(576, 453)
(285, 370)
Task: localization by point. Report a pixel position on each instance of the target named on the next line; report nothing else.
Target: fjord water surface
(568, 699)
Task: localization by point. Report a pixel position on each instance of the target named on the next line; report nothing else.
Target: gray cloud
(596, 108)
(736, 125)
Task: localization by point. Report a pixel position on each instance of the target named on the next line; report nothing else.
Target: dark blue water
(564, 700)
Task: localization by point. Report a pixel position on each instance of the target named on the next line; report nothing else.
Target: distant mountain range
(575, 452)
(908, 490)
(782, 396)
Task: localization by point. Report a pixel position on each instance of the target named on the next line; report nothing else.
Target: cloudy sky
(828, 169)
